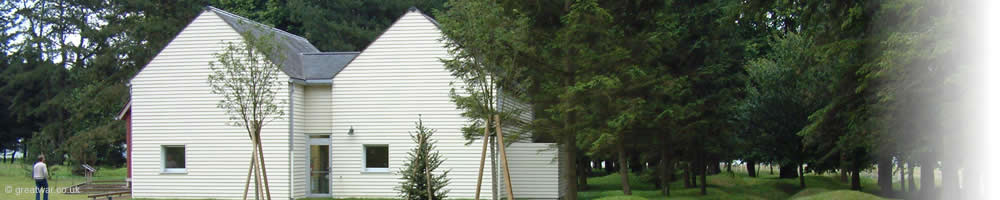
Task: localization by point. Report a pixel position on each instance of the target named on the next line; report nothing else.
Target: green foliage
(479, 60)
(419, 181)
(611, 77)
(348, 25)
(783, 88)
(331, 25)
(64, 79)
(246, 74)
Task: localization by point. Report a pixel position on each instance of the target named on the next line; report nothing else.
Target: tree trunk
(713, 167)
(569, 136)
(664, 168)
(729, 166)
(583, 173)
(802, 177)
(671, 171)
(694, 175)
(255, 168)
(623, 170)
(503, 157)
(495, 168)
(635, 163)
(482, 159)
(751, 165)
(569, 148)
(885, 172)
(250, 171)
(609, 166)
(667, 173)
(912, 183)
(769, 165)
(787, 171)
(856, 179)
(257, 181)
(902, 175)
(843, 175)
(687, 175)
(704, 174)
(661, 174)
(24, 148)
(263, 167)
(757, 169)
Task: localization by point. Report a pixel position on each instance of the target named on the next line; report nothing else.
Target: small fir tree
(419, 183)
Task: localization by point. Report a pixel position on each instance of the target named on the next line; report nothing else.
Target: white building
(347, 124)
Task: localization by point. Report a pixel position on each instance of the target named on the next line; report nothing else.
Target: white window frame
(364, 159)
(163, 160)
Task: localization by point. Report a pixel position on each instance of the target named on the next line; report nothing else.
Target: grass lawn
(16, 182)
(731, 186)
(722, 186)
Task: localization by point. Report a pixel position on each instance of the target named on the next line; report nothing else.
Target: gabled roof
(292, 46)
(303, 61)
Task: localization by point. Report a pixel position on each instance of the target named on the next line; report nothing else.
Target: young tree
(246, 76)
(482, 61)
(783, 88)
(419, 181)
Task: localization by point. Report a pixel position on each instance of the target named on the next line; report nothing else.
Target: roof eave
(125, 110)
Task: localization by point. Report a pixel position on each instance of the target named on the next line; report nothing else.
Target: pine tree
(418, 181)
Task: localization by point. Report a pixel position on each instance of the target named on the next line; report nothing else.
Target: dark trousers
(41, 186)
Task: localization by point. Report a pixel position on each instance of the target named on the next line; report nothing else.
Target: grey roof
(292, 45)
(325, 65)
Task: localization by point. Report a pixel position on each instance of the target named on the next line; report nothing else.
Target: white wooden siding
(525, 115)
(317, 109)
(300, 177)
(381, 93)
(534, 166)
(173, 105)
(534, 171)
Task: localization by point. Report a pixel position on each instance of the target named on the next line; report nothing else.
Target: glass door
(319, 169)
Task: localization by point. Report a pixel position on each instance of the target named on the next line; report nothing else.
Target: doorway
(319, 167)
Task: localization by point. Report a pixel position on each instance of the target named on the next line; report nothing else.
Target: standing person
(41, 173)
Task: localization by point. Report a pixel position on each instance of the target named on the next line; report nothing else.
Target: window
(173, 159)
(376, 158)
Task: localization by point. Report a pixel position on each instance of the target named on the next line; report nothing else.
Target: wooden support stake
(263, 168)
(482, 159)
(246, 188)
(503, 159)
